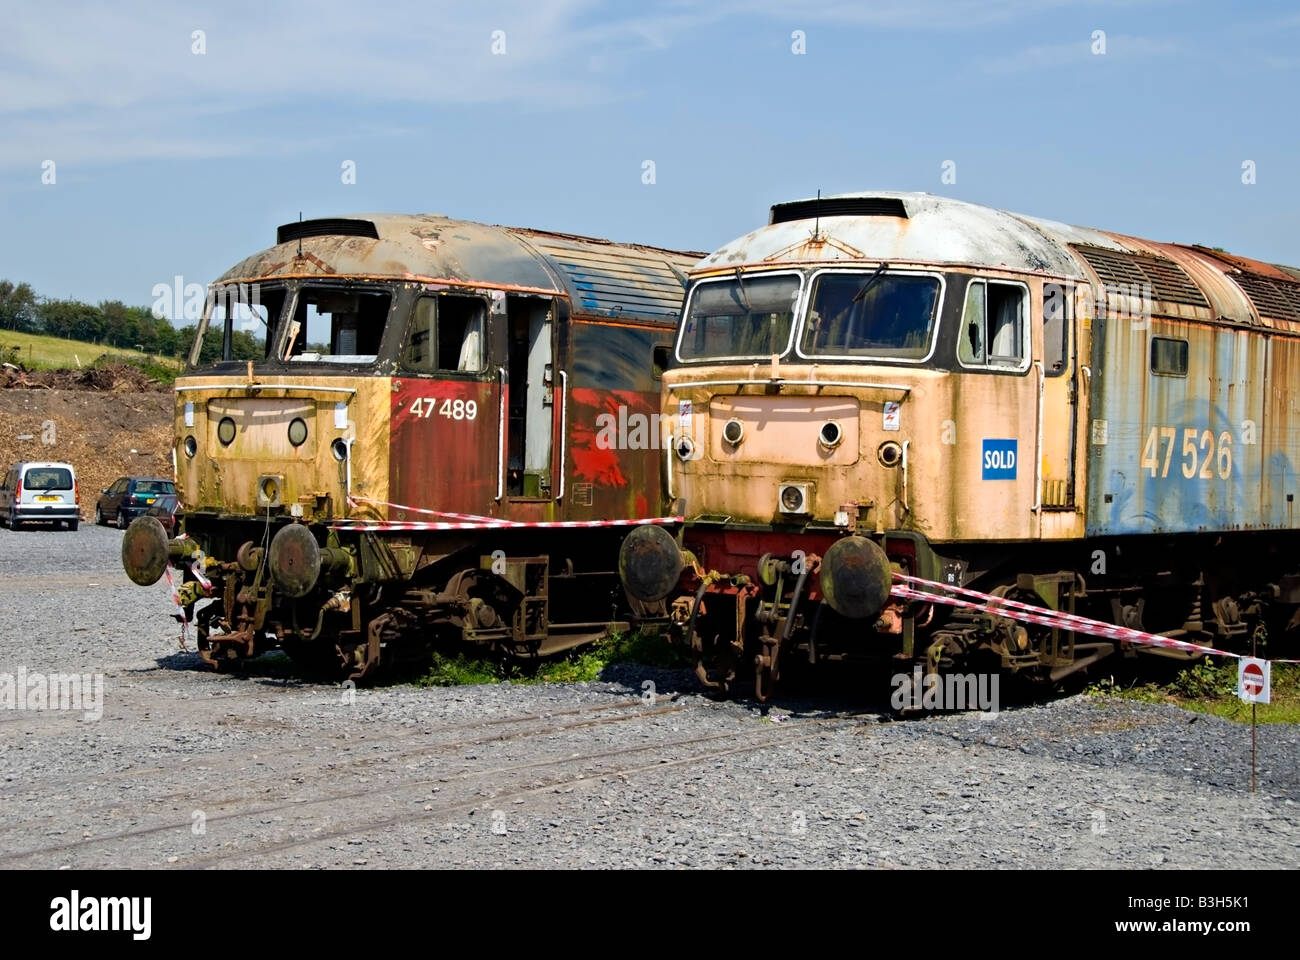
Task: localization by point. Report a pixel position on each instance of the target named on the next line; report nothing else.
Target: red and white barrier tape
(1044, 616)
(466, 517)
(176, 599)
(471, 521)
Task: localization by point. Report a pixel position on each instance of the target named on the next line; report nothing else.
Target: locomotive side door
(530, 380)
(1056, 368)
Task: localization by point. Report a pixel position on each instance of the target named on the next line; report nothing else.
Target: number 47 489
(451, 409)
(1202, 457)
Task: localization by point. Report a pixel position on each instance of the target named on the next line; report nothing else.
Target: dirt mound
(105, 435)
(113, 376)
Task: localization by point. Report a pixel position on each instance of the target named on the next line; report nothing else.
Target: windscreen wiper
(862, 291)
(740, 287)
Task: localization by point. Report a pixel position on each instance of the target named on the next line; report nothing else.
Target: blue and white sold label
(999, 459)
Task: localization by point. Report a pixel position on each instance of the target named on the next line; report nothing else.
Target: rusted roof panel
(598, 276)
(618, 280)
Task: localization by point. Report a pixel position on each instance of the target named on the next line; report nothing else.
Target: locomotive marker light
(649, 563)
(856, 577)
(733, 431)
(794, 498)
(830, 435)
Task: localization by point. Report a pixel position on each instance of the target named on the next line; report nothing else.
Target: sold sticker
(998, 460)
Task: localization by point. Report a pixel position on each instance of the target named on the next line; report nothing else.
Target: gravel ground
(191, 769)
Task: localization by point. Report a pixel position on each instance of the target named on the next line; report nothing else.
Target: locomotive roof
(600, 277)
(1186, 281)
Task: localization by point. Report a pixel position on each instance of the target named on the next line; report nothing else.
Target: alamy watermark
(179, 301)
(631, 430)
(943, 692)
(1122, 301)
(53, 691)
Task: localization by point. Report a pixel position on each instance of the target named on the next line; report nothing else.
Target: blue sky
(170, 162)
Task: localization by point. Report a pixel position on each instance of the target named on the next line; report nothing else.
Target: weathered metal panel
(1208, 452)
(616, 280)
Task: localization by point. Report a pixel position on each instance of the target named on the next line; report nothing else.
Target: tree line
(111, 323)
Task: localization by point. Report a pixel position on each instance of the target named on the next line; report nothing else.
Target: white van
(40, 492)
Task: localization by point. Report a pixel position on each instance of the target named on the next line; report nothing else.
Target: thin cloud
(1056, 55)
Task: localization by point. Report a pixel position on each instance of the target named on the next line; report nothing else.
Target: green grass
(38, 352)
(579, 666)
(1210, 687)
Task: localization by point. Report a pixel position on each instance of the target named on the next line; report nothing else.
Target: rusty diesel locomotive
(895, 384)
(387, 435)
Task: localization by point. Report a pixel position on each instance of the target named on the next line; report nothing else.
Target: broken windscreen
(336, 325)
(740, 317)
(235, 323)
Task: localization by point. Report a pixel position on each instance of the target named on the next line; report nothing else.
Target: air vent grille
(839, 207)
(329, 227)
(1276, 299)
(1167, 281)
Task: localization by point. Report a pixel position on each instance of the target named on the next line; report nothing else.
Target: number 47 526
(451, 409)
(1202, 456)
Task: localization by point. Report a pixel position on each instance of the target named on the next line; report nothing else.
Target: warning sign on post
(1252, 680)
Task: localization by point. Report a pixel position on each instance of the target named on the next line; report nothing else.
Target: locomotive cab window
(235, 323)
(886, 316)
(1056, 329)
(994, 332)
(1169, 357)
(333, 325)
(739, 317)
(447, 332)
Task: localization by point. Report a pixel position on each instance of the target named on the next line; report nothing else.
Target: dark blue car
(129, 497)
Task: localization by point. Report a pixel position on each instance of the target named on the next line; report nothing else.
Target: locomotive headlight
(794, 498)
(191, 446)
(685, 448)
(226, 431)
(830, 435)
(733, 431)
(297, 431)
(340, 449)
(889, 454)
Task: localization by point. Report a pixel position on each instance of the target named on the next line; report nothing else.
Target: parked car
(129, 497)
(44, 492)
(164, 508)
